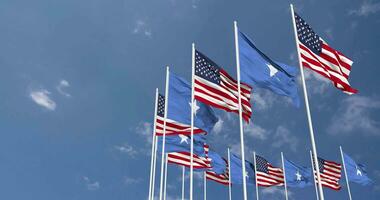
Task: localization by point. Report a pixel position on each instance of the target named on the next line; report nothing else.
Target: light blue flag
(236, 171)
(297, 176)
(218, 164)
(356, 172)
(257, 69)
(181, 143)
(179, 105)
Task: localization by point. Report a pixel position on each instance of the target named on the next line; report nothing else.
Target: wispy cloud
(256, 131)
(263, 99)
(41, 97)
(145, 129)
(356, 114)
(316, 83)
(127, 149)
(275, 192)
(141, 27)
(61, 86)
(218, 126)
(366, 8)
(91, 185)
(132, 181)
(283, 137)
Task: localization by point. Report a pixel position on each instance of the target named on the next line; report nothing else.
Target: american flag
(317, 55)
(267, 175)
(330, 173)
(184, 159)
(213, 86)
(219, 178)
(172, 127)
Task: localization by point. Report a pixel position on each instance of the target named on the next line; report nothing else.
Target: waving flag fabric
(259, 70)
(179, 105)
(317, 55)
(356, 172)
(267, 175)
(181, 143)
(219, 171)
(184, 159)
(236, 171)
(330, 173)
(219, 178)
(172, 127)
(215, 87)
(218, 164)
(297, 176)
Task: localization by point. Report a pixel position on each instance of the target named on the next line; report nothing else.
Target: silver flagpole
(313, 145)
(204, 186)
(164, 132)
(240, 112)
(229, 175)
(154, 167)
(166, 175)
(192, 119)
(283, 169)
(313, 173)
(345, 173)
(257, 185)
(153, 147)
(183, 182)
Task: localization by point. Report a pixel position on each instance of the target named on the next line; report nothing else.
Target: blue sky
(78, 81)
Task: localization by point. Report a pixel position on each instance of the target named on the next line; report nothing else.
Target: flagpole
(164, 132)
(345, 173)
(204, 186)
(257, 185)
(229, 175)
(313, 174)
(192, 120)
(183, 182)
(154, 166)
(313, 145)
(153, 147)
(283, 169)
(240, 111)
(166, 175)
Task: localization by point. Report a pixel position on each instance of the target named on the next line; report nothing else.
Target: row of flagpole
(313, 152)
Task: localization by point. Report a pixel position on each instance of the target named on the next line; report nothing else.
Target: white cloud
(329, 33)
(256, 131)
(132, 181)
(275, 192)
(316, 83)
(218, 126)
(141, 27)
(283, 137)
(41, 97)
(355, 114)
(60, 88)
(127, 149)
(145, 129)
(366, 8)
(262, 99)
(91, 185)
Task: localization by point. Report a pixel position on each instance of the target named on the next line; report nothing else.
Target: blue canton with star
(261, 164)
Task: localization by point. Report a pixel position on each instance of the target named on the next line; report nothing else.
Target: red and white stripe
(330, 175)
(274, 177)
(184, 159)
(174, 128)
(225, 95)
(219, 178)
(330, 63)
